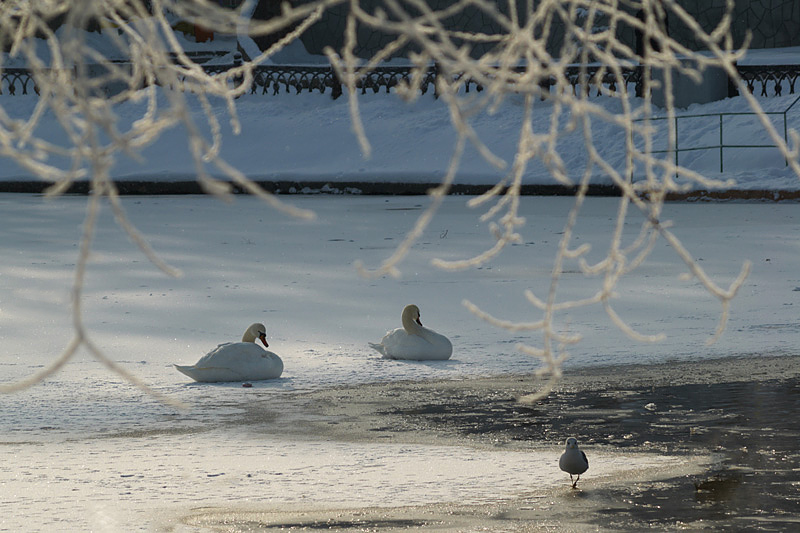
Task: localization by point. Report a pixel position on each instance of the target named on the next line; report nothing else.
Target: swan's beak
(263, 338)
(419, 321)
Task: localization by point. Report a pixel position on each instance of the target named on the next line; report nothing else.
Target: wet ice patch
(140, 481)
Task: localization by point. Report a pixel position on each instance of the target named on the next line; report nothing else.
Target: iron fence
(273, 79)
(719, 120)
(764, 80)
(769, 76)
(17, 81)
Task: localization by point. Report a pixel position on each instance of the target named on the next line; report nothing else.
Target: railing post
(720, 143)
(677, 149)
(786, 135)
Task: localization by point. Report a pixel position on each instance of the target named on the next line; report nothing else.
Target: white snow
(308, 137)
(789, 55)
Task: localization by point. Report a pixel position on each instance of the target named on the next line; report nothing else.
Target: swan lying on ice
(237, 361)
(413, 341)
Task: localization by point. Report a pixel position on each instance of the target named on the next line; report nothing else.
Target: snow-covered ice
(297, 278)
(144, 483)
(245, 262)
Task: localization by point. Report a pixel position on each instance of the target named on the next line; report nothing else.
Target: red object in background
(202, 34)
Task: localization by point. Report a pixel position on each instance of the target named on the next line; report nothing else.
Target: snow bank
(308, 138)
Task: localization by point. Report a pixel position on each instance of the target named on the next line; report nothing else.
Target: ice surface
(136, 484)
(244, 263)
(85, 435)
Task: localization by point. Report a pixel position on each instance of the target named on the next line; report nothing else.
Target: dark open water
(751, 429)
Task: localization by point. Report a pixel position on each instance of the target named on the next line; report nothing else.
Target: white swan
(237, 361)
(413, 341)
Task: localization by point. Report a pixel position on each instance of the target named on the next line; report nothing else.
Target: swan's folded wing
(210, 374)
(380, 348)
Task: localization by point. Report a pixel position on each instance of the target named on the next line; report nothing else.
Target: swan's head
(410, 317)
(572, 443)
(256, 331)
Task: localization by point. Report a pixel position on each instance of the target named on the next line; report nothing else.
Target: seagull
(573, 461)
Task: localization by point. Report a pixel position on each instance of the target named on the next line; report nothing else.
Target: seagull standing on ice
(573, 461)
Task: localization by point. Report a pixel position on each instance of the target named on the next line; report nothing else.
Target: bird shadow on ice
(430, 364)
(412, 369)
(450, 363)
(577, 493)
(279, 384)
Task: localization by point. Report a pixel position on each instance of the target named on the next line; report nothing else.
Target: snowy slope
(308, 137)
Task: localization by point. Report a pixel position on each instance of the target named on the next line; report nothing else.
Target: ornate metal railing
(598, 78)
(17, 81)
(774, 77)
(762, 80)
(269, 79)
(273, 79)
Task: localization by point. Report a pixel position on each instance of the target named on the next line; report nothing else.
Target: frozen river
(244, 262)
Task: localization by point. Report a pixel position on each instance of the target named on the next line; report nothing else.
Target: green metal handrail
(721, 146)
